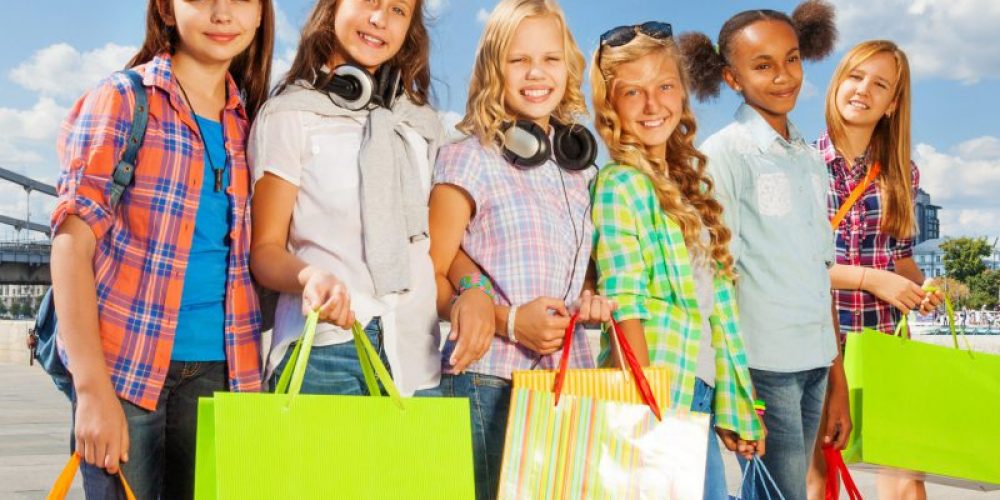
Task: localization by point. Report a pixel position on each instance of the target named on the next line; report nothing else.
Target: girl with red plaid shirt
(875, 278)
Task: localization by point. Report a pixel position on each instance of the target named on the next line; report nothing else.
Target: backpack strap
(125, 169)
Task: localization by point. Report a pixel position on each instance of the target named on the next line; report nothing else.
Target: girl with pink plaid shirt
(510, 220)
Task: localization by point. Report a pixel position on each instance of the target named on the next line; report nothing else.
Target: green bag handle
(371, 366)
(903, 328)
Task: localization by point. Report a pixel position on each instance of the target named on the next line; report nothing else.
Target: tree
(984, 288)
(3, 309)
(956, 291)
(22, 309)
(963, 257)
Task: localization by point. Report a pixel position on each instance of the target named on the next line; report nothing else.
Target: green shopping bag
(291, 445)
(924, 408)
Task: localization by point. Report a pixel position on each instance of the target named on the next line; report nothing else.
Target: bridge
(25, 262)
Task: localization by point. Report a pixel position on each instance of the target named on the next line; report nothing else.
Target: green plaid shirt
(643, 265)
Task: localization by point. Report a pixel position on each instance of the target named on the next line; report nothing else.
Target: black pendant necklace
(201, 135)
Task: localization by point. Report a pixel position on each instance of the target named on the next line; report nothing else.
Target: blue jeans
(162, 442)
(489, 402)
(794, 407)
(336, 370)
(715, 470)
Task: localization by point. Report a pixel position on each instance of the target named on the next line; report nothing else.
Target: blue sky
(54, 50)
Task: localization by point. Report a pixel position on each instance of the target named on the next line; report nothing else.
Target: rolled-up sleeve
(90, 145)
(622, 273)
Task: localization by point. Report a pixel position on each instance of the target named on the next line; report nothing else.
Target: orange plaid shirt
(143, 246)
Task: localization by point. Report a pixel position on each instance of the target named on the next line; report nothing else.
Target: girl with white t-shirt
(342, 159)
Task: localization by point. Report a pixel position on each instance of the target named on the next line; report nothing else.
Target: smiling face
(867, 92)
(370, 32)
(535, 71)
(214, 32)
(765, 66)
(648, 97)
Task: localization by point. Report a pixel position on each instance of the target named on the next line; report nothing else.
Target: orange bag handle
(855, 194)
(65, 480)
(628, 359)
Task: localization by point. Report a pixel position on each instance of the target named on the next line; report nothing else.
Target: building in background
(20, 301)
(928, 227)
(930, 258)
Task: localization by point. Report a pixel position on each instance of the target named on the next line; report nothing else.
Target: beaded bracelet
(759, 406)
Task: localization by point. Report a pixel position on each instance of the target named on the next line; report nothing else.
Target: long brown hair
(683, 188)
(319, 41)
(485, 112)
(251, 69)
(890, 142)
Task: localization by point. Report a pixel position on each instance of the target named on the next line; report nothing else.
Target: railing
(29, 185)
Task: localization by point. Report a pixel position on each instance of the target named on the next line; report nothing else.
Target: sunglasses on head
(616, 37)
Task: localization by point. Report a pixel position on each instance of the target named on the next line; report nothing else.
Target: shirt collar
(762, 133)
(857, 168)
(159, 73)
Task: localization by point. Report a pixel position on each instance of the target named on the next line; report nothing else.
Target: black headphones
(353, 87)
(526, 145)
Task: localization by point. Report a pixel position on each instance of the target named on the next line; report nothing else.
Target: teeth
(371, 39)
(536, 93)
(858, 104)
(652, 123)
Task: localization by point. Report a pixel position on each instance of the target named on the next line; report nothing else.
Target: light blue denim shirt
(774, 196)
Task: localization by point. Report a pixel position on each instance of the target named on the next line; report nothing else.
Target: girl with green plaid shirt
(660, 244)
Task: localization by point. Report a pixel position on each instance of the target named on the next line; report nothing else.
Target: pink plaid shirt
(526, 233)
(860, 240)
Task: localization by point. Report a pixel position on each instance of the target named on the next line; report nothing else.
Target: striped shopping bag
(601, 433)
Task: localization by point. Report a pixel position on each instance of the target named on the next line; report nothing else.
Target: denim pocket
(490, 381)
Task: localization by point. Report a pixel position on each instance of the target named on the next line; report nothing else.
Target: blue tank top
(201, 321)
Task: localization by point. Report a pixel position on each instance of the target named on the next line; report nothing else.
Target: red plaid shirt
(143, 246)
(860, 240)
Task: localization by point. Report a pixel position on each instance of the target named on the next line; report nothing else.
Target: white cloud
(39, 122)
(61, 70)
(809, 89)
(448, 120)
(965, 183)
(980, 148)
(434, 8)
(952, 39)
(12, 154)
(482, 16)
(280, 65)
(285, 32)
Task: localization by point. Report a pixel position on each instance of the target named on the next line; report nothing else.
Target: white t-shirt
(319, 155)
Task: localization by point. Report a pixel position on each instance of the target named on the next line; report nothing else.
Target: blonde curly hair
(681, 184)
(486, 112)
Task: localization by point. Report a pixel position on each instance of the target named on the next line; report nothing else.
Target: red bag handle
(645, 392)
(835, 470)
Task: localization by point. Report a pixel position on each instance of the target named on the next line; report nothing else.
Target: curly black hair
(812, 20)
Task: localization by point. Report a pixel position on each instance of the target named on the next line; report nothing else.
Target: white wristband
(511, 316)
